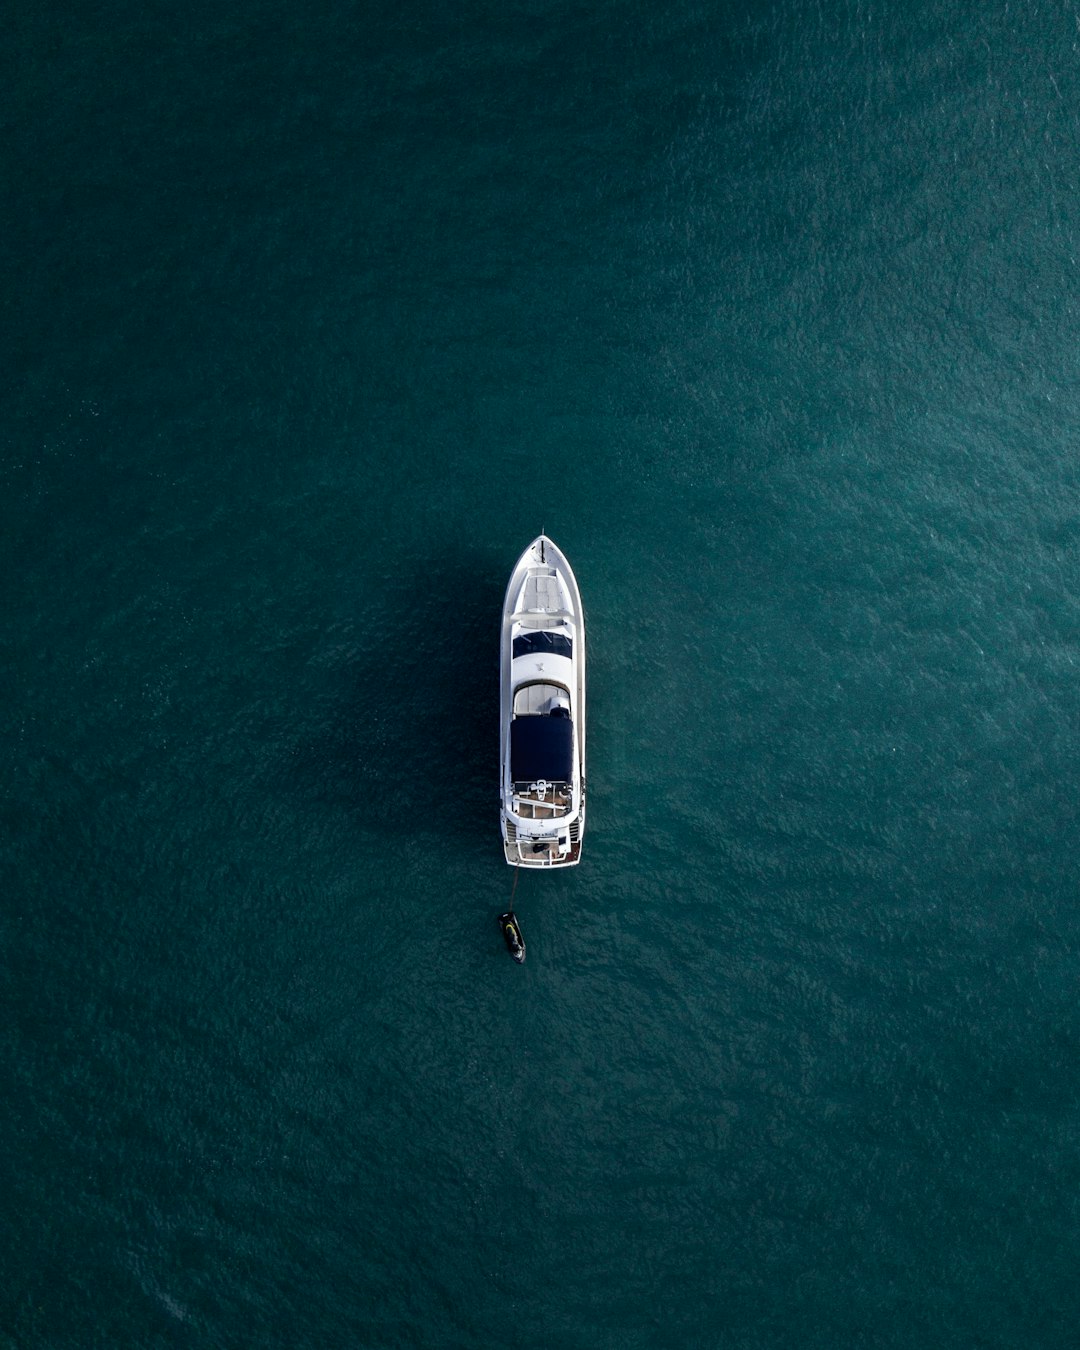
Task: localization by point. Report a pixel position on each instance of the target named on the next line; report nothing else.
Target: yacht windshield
(542, 643)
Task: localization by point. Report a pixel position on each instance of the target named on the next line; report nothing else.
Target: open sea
(313, 316)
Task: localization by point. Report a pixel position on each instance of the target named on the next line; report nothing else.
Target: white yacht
(542, 705)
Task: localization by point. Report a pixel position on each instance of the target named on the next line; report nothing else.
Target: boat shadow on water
(408, 738)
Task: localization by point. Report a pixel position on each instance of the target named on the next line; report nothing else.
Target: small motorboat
(542, 706)
(511, 931)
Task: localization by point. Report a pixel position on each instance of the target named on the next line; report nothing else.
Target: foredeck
(543, 596)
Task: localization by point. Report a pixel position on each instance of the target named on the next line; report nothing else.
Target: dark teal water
(313, 317)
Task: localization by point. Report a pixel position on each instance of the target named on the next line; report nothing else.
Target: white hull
(542, 712)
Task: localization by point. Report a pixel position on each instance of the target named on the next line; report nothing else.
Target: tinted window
(542, 644)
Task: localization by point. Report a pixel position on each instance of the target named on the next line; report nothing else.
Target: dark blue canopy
(541, 747)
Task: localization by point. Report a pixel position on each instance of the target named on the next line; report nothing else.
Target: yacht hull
(542, 711)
